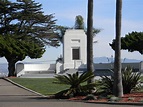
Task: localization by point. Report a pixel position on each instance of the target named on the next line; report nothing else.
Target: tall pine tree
(24, 31)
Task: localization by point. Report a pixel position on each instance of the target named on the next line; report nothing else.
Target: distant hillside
(107, 60)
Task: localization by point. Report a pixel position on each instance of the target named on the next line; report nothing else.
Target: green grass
(45, 86)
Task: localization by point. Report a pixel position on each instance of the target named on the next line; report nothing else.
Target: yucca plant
(76, 82)
(106, 84)
(130, 80)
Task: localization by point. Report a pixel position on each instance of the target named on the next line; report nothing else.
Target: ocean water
(3, 69)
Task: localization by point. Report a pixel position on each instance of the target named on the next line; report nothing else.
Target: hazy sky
(65, 12)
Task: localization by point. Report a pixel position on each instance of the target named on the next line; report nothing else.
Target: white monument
(74, 49)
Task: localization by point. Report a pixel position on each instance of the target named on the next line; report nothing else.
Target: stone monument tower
(74, 49)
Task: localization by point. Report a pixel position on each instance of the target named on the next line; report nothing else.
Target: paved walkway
(14, 96)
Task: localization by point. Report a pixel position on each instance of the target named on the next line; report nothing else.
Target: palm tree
(79, 22)
(90, 67)
(118, 88)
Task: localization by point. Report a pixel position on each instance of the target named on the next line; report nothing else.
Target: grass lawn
(45, 86)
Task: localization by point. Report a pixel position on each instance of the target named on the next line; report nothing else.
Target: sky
(65, 12)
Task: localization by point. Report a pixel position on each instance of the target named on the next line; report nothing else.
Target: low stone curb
(7, 79)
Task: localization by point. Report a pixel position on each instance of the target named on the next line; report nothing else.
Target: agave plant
(130, 80)
(107, 84)
(76, 82)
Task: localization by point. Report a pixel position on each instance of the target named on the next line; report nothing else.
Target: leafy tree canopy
(25, 18)
(19, 49)
(132, 42)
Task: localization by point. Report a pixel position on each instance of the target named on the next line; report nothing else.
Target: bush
(130, 80)
(107, 84)
(77, 84)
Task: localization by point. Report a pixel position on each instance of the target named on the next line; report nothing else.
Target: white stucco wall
(22, 69)
(39, 67)
(72, 39)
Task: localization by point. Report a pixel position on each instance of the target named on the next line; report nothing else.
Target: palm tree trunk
(118, 88)
(90, 67)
